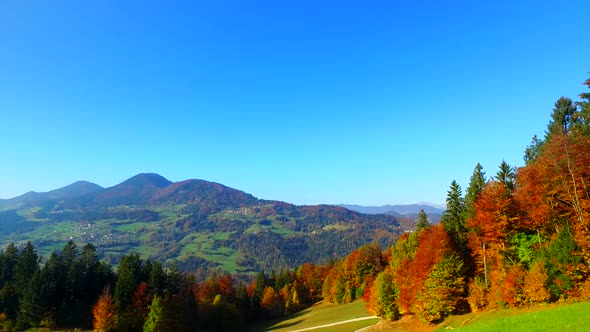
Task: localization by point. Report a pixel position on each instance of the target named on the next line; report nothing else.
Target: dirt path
(337, 323)
(405, 324)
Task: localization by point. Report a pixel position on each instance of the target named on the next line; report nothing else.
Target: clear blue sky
(367, 102)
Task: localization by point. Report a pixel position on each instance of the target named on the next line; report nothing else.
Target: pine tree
(533, 150)
(476, 185)
(261, 284)
(26, 265)
(506, 176)
(31, 303)
(422, 221)
(563, 118)
(130, 268)
(452, 218)
(583, 126)
(8, 292)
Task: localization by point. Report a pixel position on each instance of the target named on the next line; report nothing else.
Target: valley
(194, 224)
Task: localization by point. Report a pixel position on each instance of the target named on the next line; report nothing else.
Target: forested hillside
(195, 224)
(520, 237)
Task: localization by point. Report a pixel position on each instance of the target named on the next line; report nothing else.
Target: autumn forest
(514, 237)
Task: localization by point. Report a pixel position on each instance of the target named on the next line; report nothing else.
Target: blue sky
(367, 102)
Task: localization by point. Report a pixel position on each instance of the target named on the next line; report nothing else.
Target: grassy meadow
(555, 317)
(323, 313)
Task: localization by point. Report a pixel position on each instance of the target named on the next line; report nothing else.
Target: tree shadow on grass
(284, 325)
(270, 326)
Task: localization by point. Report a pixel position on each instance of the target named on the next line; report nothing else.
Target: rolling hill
(195, 223)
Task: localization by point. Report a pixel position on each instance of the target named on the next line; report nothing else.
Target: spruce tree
(476, 185)
(452, 218)
(583, 125)
(129, 276)
(8, 291)
(533, 150)
(422, 221)
(563, 118)
(26, 266)
(506, 176)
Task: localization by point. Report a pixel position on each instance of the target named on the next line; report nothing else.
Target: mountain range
(194, 223)
(399, 210)
(407, 211)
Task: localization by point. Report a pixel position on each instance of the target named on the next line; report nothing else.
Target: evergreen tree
(506, 176)
(33, 302)
(157, 278)
(476, 185)
(563, 118)
(452, 218)
(533, 150)
(422, 221)
(95, 276)
(71, 307)
(70, 254)
(26, 266)
(54, 277)
(583, 125)
(130, 268)
(8, 291)
(8, 259)
(261, 284)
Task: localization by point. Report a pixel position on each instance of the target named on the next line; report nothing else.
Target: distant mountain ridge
(33, 198)
(400, 210)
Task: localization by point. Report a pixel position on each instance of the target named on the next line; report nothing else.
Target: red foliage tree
(410, 274)
(532, 199)
(139, 305)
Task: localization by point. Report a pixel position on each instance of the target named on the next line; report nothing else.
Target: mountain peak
(76, 189)
(151, 179)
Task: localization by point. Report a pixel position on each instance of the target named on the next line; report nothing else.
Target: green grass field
(322, 314)
(564, 317)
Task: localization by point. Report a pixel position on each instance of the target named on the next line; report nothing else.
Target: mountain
(399, 210)
(203, 192)
(32, 198)
(136, 190)
(195, 223)
(76, 189)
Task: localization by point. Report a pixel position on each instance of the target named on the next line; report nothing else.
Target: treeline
(72, 289)
(59, 293)
(521, 237)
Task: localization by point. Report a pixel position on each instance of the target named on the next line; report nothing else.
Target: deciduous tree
(105, 313)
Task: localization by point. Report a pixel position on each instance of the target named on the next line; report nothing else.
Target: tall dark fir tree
(476, 185)
(422, 221)
(506, 176)
(452, 218)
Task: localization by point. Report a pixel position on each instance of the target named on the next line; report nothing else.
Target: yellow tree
(104, 312)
